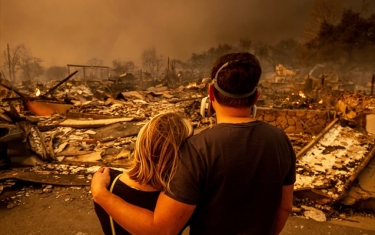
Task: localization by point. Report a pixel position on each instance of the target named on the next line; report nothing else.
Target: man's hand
(100, 181)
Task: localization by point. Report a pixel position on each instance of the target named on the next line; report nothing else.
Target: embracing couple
(234, 178)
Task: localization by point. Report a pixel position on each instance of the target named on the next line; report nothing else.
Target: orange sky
(71, 31)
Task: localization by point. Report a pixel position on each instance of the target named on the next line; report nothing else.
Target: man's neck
(233, 115)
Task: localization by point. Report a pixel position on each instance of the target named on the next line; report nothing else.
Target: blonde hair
(156, 150)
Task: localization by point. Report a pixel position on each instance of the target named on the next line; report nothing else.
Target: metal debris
(329, 165)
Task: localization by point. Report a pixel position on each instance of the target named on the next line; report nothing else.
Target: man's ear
(211, 92)
(256, 98)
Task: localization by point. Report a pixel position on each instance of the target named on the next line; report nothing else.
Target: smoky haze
(71, 31)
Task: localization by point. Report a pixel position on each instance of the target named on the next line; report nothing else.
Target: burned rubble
(328, 168)
(63, 133)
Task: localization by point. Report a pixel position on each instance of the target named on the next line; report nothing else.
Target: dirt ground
(27, 210)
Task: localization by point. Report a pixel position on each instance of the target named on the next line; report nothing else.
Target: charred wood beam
(59, 84)
(87, 124)
(29, 98)
(42, 97)
(318, 137)
(93, 116)
(307, 127)
(87, 66)
(180, 100)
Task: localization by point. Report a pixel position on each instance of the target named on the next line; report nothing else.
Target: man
(234, 178)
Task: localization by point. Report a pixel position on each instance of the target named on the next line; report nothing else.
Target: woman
(155, 161)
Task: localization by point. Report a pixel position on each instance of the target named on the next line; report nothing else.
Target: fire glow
(301, 94)
(37, 92)
(193, 84)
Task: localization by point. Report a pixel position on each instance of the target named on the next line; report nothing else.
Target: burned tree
(122, 66)
(31, 66)
(350, 43)
(328, 11)
(95, 62)
(12, 60)
(284, 52)
(152, 62)
(245, 44)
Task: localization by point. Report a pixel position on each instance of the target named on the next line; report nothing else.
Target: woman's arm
(170, 216)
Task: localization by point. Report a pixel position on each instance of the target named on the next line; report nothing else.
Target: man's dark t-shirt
(234, 173)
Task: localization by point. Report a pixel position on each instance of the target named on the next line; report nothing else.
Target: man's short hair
(240, 76)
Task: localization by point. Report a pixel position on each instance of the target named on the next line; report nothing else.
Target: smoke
(70, 31)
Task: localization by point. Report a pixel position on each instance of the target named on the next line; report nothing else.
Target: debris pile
(334, 161)
(92, 130)
(77, 124)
